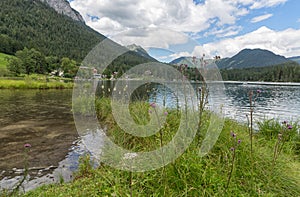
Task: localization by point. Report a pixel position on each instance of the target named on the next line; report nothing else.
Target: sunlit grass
(25, 84)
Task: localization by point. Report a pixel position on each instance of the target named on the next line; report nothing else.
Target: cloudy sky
(171, 28)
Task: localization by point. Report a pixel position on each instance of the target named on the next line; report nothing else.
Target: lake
(44, 119)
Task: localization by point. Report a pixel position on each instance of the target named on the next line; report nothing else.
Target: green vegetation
(28, 61)
(287, 72)
(225, 171)
(33, 24)
(3, 64)
(4, 60)
(36, 82)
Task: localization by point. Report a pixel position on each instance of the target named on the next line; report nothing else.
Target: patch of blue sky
(93, 18)
(283, 17)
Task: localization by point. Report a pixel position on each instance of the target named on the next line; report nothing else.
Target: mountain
(34, 24)
(139, 50)
(63, 7)
(53, 28)
(190, 61)
(180, 60)
(249, 58)
(295, 59)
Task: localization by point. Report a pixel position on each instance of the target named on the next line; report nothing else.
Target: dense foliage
(32, 24)
(287, 72)
(29, 61)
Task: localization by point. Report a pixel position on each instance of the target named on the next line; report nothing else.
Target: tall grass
(189, 175)
(33, 84)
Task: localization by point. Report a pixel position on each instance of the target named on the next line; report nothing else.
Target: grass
(23, 84)
(189, 175)
(35, 82)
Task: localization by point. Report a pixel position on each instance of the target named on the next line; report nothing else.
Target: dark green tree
(69, 67)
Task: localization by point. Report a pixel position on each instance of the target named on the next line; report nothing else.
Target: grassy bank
(230, 169)
(34, 82)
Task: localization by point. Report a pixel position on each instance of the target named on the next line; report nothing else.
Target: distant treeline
(32, 61)
(287, 72)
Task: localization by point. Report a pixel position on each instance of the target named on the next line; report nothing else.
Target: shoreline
(34, 84)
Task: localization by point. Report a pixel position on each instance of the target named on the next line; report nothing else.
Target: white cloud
(151, 37)
(157, 23)
(261, 18)
(285, 43)
(184, 15)
(266, 3)
(224, 32)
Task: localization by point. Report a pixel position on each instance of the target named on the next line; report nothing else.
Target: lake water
(276, 100)
(44, 119)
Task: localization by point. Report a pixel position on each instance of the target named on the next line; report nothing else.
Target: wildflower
(239, 141)
(166, 113)
(289, 127)
(285, 122)
(153, 105)
(258, 91)
(27, 145)
(232, 134)
(232, 148)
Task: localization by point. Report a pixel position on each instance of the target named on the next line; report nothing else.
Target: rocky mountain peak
(63, 7)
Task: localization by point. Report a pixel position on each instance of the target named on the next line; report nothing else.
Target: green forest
(32, 24)
(287, 72)
(32, 61)
(44, 41)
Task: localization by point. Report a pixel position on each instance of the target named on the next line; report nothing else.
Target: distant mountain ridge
(249, 58)
(139, 50)
(63, 7)
(35, 24)
(190, 61)
(295, 59)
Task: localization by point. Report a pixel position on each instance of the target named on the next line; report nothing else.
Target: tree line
(30, 61)
(286, 72)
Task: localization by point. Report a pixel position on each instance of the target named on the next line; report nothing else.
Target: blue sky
(172, 28)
